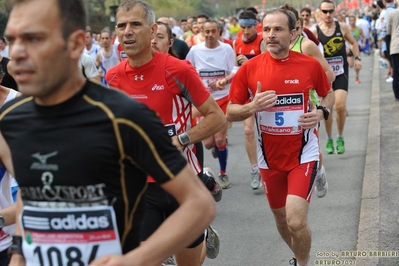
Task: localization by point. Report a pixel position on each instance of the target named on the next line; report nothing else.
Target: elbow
(230, 117)
(221, 121)
(331, 77)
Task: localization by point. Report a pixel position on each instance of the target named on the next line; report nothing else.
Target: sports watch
(326, 111)
(2, 222)
(184, 139)
(358, 58)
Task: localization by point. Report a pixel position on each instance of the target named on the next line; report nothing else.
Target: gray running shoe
(169, 262)
(256, 180)
(321, 183)
(212, 243)
(224, 181)
(214, 152)
(217, 191)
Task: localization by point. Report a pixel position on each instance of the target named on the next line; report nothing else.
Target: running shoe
(224, 181)
(217, 190)
(169, 262)
(256, 182)
(340, 146)
(330, 146)
(214, 152)
(212, 243)
(321, 183)
(357, 81)
(389, 79)
(293, 261)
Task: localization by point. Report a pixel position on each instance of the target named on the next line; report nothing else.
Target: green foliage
(3, 22)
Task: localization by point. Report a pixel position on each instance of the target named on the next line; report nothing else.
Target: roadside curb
(368, 232)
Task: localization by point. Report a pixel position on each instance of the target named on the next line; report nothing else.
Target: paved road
(246, 225)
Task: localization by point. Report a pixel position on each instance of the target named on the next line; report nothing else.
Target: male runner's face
(41, 57)
(211, 32)
(276, 34)
(195, 28)
(248, 31)
(88, 38)
(161, 42)
(200, 23)
(327, 12)
(306, 16)
(105, 39)
(134, 33)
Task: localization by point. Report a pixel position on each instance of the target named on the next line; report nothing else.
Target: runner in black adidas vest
(333, 34)
(82, 152)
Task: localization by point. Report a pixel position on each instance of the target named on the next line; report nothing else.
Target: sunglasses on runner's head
(327, 11)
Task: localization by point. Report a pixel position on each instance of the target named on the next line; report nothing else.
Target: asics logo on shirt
(139, 77)
(291, 81)
(157, 87)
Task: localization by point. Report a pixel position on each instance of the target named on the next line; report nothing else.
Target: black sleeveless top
(334, 45)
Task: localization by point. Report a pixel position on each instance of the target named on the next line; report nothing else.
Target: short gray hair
(128, 5)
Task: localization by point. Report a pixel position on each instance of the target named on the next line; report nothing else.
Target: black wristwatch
(358, 58)
(184, 139)
(326, 111)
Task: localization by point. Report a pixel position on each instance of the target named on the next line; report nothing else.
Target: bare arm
(16, 259)
(261, 102)
(196, 211)
(363, 38)
(213, 121)
(314, 116)
(9, 214)
(98, 59)
(311, 49)
(349, 38)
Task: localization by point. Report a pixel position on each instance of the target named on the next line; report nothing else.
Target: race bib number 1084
(71, 237)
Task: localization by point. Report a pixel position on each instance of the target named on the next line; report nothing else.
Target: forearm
(17, 259)
(9, 214)
(355, 49)
(238, 112)
(328, 100)
(212, 122)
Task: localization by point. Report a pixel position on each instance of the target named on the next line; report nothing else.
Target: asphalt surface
(359, 214)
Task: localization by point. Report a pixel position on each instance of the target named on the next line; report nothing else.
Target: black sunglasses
(328, 11)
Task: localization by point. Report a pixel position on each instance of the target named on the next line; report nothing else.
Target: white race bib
(73, 236)
(209, 78)
(282, 119)
(336, 63)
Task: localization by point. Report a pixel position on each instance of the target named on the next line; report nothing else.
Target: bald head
(165, 20)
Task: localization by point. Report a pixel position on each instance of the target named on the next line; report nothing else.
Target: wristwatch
(358, 58)
(184, 139)
(326, 111)
(2, 222)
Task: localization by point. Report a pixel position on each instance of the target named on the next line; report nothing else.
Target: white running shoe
(169, 262)
(256, 182)
(389, 80)
(321, 183)
(212, 243)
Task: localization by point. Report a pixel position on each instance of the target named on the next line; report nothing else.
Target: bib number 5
(279, 119)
